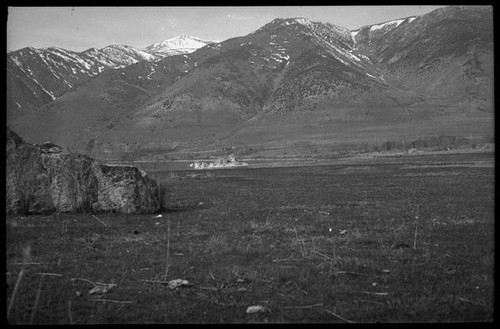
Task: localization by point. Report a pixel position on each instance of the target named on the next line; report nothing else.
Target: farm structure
(223, 162)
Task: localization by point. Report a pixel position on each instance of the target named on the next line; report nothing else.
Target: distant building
(223, 162)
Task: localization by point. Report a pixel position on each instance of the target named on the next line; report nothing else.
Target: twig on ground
(178, 224)
(470, 301)
(340, 317)
(416, 231)
(37, 300)
(100, 221)
(64, 227)
(304, 306)
(69, 312)
(155, 281)
(26, 259)
(50, 274)
(349, 272)
(99, 287)
(168, 250)
(14, 293)
(351, 249)
(285, 259)
(112, 301)
(370, 301)
(82, 279)
(375, 293)
(317, 252)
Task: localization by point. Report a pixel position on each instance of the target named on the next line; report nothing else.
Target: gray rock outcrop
(45, 178)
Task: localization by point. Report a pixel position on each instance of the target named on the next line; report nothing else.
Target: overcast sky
(80, 28)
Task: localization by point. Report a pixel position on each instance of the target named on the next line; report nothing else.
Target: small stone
(255, 309)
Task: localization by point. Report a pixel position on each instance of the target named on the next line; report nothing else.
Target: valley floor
(387, 239)
(277, 159)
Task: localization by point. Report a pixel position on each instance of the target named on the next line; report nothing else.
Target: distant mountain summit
(42, 75)
(291, 79)
(182, 44)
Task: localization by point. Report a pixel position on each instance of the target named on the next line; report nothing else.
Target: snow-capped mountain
(428, 72)
(177, 45)
(117, 56)
(38, 76)
(369, 35)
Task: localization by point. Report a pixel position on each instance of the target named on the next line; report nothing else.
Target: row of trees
(434, 143)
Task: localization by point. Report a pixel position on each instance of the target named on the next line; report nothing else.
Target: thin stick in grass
(302, 306)
(470, 301)
(50, 274)
(155, 281)
(112, 301)
(100, 221)
(323, 255)
(340, 317)
(63, 227)
(349, 272)
(416, 230)
(178, 224)
(70, 315)
(26, 259)
(334, 250)
(27, 263)
(168, 250)
(301, 244)
(37, 300)
(14, 293)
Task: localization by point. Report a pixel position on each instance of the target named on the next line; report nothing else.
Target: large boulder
(46, 177)
(27, 183)
(125, 189)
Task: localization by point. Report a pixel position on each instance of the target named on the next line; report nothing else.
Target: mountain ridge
(294, 78)
(52, 71)
(182, 44)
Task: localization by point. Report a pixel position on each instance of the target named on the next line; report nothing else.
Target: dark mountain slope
(445, 55)
(293, 79)
(37, 76)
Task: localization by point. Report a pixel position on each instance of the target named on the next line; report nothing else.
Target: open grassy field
(406, 239)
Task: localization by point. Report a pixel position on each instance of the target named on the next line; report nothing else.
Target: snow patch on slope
(392, 24)
(182, 44)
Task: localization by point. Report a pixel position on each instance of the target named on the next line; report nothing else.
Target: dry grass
(269, 237)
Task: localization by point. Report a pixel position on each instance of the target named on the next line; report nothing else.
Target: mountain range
(38, 76)
(291, 81)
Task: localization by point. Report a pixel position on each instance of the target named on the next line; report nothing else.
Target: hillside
(290, 81)
(37, 76)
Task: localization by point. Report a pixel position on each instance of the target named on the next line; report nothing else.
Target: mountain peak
(177, 45)
(305, 24)
(183, 37)
(292, 20)
(302, 20)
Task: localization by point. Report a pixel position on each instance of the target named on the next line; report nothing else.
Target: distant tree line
(435, 143)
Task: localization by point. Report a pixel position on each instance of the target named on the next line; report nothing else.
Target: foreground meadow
(405, 239)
